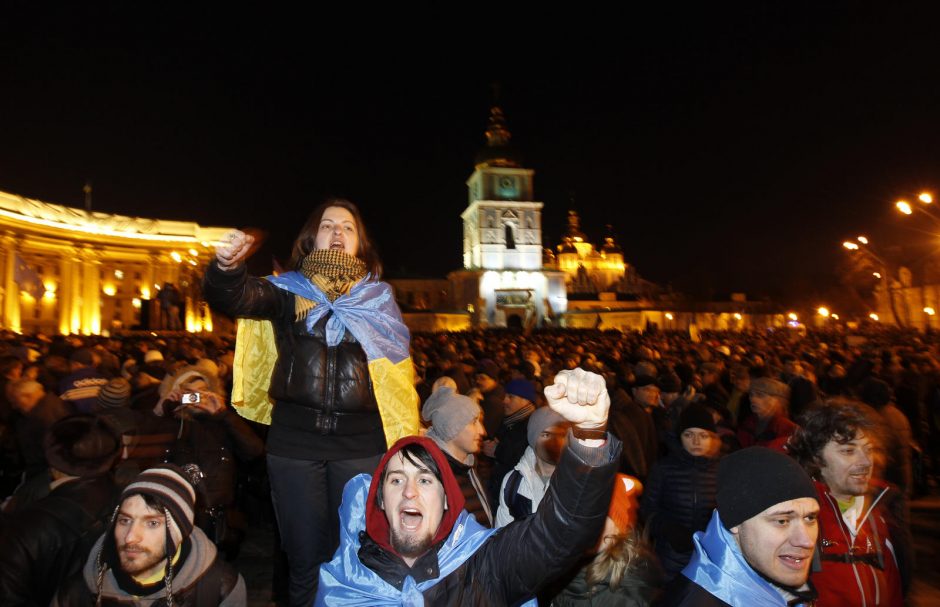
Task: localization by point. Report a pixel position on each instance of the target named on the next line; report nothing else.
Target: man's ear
(734, 530)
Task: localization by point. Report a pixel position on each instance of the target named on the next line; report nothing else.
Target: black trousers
(306, 495)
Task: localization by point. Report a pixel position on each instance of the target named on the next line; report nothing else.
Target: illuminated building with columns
(67, 270)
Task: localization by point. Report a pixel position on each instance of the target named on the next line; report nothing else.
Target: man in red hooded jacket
(406, 539)
(857, 534)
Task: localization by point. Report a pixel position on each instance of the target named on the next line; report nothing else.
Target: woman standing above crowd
(340, 378)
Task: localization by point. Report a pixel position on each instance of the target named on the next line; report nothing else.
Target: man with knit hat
(759, 545)
(457, 428)
(770, 426)
(406, 540)
(492, 393)
(509, 443)
(152, 554)
(523, 489)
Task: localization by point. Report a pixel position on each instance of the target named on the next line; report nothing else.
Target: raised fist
(581, 398)
(235, 247)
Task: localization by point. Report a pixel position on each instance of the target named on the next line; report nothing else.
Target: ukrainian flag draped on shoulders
(369, 312)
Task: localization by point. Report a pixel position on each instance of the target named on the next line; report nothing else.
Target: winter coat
(678, 500)
(636, 428)
(774, 436)
(718, 574)
(202, 580)
(214, 442)
(529, 487)
(324, 404)
(476, 499)
(47, 542)
(859, 568)
(512, 443)
(468, 564)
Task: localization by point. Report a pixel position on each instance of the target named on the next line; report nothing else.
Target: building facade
(503, 281)
(72, 271)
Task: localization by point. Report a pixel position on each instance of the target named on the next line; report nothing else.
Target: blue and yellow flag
(369, 312)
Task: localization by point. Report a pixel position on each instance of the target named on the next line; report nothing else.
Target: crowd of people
(557, 467)
(83, 417)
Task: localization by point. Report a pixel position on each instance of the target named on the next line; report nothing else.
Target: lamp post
(863, 246)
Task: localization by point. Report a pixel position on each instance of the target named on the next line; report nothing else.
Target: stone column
(91, 293)
(11, 290)
(65, 295)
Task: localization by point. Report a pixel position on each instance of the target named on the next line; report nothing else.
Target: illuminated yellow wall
(95, 270)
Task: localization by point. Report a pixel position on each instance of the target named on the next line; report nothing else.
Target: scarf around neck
(333, 272)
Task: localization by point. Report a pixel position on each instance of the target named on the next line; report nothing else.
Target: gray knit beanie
(449, 413)
(541, 419)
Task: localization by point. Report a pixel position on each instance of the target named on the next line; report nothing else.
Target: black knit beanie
(754, 479)
(696, 415)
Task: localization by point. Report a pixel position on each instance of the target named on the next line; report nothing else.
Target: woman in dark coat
(333, 327)
(680, 491)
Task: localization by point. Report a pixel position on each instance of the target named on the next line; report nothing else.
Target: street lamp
(925, 198)
(823, 311)
(864, 246)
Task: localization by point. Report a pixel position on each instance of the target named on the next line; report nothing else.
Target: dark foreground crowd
(563, 467)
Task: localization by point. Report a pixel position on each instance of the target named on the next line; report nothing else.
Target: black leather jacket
(49, 541)
(324, 404)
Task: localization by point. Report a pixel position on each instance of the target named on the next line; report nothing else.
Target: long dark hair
(307, 239)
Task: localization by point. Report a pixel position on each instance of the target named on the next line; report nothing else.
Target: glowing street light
(848, 244)
(925, 197)
(862, 239)
(835, 317)
(904, 207)
(876, 274)
(737, 316)
(823, 311)
(792, 316)
(873, 316)
(669, 316)
(929, 311)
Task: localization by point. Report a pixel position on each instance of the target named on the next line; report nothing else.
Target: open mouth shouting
(411, 519)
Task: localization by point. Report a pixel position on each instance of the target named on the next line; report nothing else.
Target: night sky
(731, 148)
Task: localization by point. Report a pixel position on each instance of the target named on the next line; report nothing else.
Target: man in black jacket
(46, 542)
(407, 539)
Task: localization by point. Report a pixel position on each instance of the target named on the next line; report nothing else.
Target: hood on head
(376, 523)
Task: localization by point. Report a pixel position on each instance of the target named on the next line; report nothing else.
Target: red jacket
(774, 435)
(860, 571)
